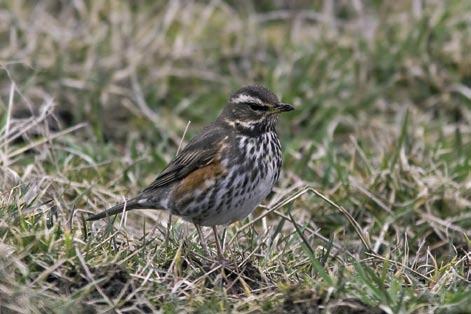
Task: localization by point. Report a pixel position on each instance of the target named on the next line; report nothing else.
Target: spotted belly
(229, 191)
(230, 199)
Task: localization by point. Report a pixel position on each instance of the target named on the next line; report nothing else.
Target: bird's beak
(281, 107)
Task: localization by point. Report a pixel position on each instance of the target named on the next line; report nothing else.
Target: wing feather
(199, 152)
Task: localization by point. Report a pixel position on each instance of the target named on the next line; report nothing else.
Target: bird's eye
(257, 107)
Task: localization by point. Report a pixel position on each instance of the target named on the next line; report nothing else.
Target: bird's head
(253, 108)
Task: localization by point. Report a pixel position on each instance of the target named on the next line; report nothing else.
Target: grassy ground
(372, 213)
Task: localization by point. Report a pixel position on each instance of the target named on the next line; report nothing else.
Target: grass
(372, 213)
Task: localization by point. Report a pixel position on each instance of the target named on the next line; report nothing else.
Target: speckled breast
(245, 176)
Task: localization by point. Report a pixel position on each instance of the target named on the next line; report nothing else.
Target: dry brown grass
(372, 213)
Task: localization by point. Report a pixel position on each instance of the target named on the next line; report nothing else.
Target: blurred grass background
(95, 97)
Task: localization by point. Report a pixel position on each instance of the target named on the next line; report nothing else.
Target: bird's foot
(224, 263)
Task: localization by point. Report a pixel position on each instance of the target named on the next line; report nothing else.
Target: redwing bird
(223, 173)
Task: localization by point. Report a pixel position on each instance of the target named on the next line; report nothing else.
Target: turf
(371, 215)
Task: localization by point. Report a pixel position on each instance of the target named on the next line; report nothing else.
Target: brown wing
(200, 152)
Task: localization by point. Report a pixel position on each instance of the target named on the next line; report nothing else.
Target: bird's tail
(134, 203)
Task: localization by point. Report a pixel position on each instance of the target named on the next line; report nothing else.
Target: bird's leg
(224, 233)
(169, 226)
(202, 239)
(218, 244)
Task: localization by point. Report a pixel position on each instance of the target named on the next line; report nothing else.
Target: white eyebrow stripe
(246, 98)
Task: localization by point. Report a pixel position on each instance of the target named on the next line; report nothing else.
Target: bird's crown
(259, 99)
